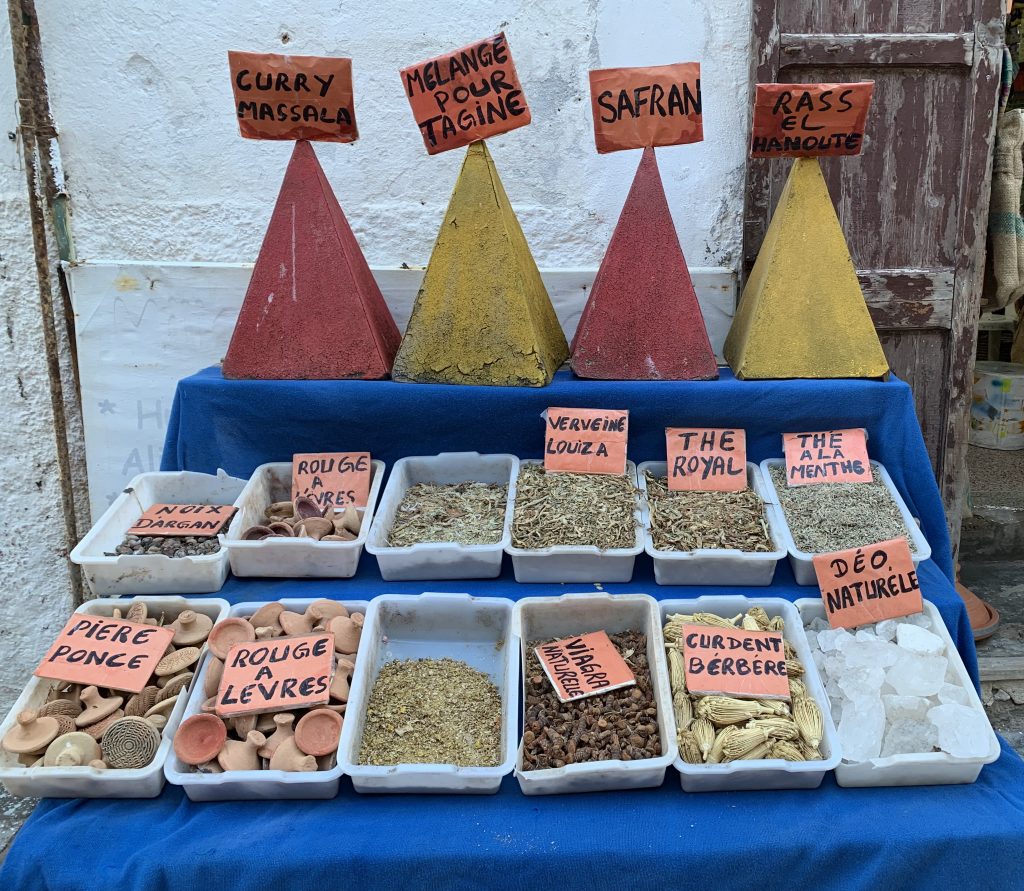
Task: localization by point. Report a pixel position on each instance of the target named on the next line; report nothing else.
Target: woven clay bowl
(190, 628)
(318, 731)
(227, 633)
(96, 707)
(295, 623)
(31, 733)
(97, 730)
(71, 750)
(176, 662)
(65, 724)
(142, 702)
(174, 686)
(60, 707)
(130, 743)
(199, 739)
(266, 615)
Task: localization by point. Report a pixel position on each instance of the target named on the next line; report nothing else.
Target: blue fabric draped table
(942, 836)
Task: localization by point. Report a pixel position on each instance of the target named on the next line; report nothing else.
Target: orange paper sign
(706, 459)
(868, 584)
(175, 520)
(293, 97)
(640, 107)
(105, 652)
(276, 674)
(466, 95)
(584, 666)
(735, 662)
(832, 456)
(586, 440)
(806, 120)
(332, 479)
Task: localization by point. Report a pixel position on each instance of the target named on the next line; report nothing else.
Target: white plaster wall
(35, 593)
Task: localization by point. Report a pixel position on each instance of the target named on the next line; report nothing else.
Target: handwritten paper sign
(640, 107)
(586, 440)
(276, 674)
(832, 456)
(806, 120)
(332, 479)
(466, 95)
(293, 97)
(105, 652)
(735, 662)
(706, 459)
(175, 520)
(868, 584)
(584, 666)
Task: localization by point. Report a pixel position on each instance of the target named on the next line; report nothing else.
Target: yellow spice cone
(802, 313)
(482, 315)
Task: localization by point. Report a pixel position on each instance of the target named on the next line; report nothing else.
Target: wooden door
(914, 204)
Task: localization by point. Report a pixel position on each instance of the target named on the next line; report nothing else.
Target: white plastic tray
(475, 630)
(768, 773)
(441, 560)
(540, 618)
(243, 785)
(923, 768)
(803, 562)
(128, 574)
(714, 566)
(88, 782)
(585, 563)
(291, 557)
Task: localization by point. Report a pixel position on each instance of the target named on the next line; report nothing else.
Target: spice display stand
(654, 838)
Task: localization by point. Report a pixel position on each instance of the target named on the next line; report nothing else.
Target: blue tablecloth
(945, 836)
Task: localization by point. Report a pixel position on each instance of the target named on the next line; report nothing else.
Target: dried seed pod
(722, 710)
(739, 746)
(758, 752)
(674, 627)
(689, 749)
(683, 710)
(130, 743)
(704, 733)
(676, 670)
(808, 719)
(787, 751)
(776, 728)
(758, 614)
(717, 753)
(790, 650)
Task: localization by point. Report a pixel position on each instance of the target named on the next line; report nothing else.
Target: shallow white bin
(714, 566)
(441, 560)
(128, 574)
(769, 773)
(802, 562)
(547, 618)
(924, 768)
(87, 782)
(567, 563)
(291, 558)
(243, 785)
(475, 630)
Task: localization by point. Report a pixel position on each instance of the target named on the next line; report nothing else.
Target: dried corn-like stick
(777, 728)
(750, 623)
(790, 650)
(741, 743)
(807, 716)
(775, 707)
(716, 621)
(704, 733)
(682, 708)
(786, 750)
(689, 751)
(722, 710)
(758, 614)
(794, 668)
(777, 623)
(797, 688)
(676, 670)
(674, 627)
(810, 753)
(717, 753)
(758, 752)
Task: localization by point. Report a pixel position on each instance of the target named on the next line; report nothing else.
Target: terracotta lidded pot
(318, 731)
(228, 632)
(242, 754)
(199, 739)
(282, 730)
(31, 733)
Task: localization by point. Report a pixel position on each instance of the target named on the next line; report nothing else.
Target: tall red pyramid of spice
(313, 310)
(642, 320)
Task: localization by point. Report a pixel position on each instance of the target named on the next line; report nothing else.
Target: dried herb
(466, 513)
(573, 509)
(836, 516)
(432, 711)
(689, 521)
(622, 724)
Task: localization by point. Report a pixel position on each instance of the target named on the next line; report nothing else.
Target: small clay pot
(325, 609)
(318, 731)
(315, 527)
(243, 725)
(190, 628)
(241, 754)
(348, 536)
(96, 707)
(209, 706)
(341, 682)
(282, 529)
(130, 743)
(349, 521)
(267, 633)
(31, 733)
(211, 680)
(306, 507)
(289, 757)
(266, 615)
(346, 631)
(282, 730)
(226, 633)
(295, 623)
(199, 739)
(177, 662)
(71, 750)
(279, 509)
(257, 533)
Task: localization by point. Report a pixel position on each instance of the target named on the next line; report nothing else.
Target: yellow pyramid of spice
(482, 314)
(802, 313)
